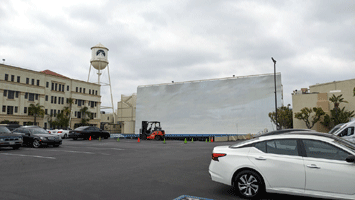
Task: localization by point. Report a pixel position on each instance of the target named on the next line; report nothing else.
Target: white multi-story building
(21, 87)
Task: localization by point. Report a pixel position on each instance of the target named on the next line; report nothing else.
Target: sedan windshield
(4, 130)
(80, 128)
(38, 131)
(346, 144)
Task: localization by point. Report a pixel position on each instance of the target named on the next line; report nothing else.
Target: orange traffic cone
(90, 138)
(139, 140)
(212, 140)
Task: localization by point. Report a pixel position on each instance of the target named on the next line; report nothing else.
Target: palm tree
(84, 115)
(36, 111)
(70, 102)
(336, 100)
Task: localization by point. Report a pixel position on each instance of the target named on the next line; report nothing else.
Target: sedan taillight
(215, 156)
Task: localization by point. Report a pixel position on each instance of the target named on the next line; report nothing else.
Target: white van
(346, 131)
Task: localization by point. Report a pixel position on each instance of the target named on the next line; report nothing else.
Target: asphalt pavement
(111, 169)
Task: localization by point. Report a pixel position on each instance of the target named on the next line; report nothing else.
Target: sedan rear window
(281, 147)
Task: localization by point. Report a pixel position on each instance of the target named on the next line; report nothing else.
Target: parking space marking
(96, 148)
(34, 156)
(84, 152)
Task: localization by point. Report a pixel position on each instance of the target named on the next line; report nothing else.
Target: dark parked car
(35, 136)
(7, 139)
(86, 131)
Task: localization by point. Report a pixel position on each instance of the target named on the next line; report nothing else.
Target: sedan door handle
(260, 158)
(313, 166)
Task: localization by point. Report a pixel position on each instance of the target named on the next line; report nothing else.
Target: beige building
(318, 96)
(126, 113)
(21, 87)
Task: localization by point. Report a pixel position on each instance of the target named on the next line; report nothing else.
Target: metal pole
(277, 127)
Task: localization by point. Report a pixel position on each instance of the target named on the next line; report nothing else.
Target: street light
(273, 60)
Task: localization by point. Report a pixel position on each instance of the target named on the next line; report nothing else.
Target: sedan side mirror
(350, 158)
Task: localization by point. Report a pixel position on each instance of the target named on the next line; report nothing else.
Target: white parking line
(96, 148)
(85, 152)
(74, 151)
(11, 154)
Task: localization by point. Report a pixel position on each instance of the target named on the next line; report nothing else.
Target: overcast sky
(159, 41)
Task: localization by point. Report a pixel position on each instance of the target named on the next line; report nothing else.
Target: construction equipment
(151, 130)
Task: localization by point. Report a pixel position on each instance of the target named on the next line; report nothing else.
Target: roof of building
(49, 72)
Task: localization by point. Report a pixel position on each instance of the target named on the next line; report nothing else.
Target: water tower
(99, 61)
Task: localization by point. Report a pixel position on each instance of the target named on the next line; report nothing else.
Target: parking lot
(111, 169)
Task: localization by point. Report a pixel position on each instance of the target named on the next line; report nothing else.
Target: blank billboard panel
(237, 105)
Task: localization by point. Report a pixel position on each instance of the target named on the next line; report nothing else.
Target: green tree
(85, 115)
(306, 113)
(337, 115)
(35, 111)
(284, 117)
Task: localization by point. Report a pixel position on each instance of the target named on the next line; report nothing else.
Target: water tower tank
(99, 56)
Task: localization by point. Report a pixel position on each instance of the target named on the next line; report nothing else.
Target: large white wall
(237, 105)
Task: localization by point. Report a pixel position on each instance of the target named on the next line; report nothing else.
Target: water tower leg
(89, 72)
(109, 79)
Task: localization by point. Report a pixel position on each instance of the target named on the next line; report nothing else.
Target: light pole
(273, 60)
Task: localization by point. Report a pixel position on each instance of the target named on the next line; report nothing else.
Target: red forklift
(151, 130)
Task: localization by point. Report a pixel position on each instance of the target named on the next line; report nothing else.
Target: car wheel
(157, 138)
(249, 184)
(65, 136)
(36, 144)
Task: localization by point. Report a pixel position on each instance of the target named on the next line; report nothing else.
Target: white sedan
(60, 132)
(298, 163)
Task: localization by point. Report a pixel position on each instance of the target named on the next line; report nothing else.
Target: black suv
(7, 139)
(35, 136)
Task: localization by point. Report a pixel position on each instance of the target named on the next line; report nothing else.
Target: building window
(76, 101)
(18, 79)
(25, 109)
(55, 113)
(62, 100)
(89, 91)
(13, 78)
(47, 84)
(16, 94)
(51, 111)
(6, 77)
(31, 97)
(67, 87)
(16, 109)
(56, 85)
(52, 86)
(96, 92)
(27, 81)
(46, 97)
(26, 95)
(33, 81)
(37, 82)
(55, 100)
(10, 110)
(3, 108)
(52, 99)
(62, 88)
(46, 111)
(76, 89)
(95, 104)
(80, 90)
(5, 93)
(11, 94)
(84, 90)
(37, 96)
